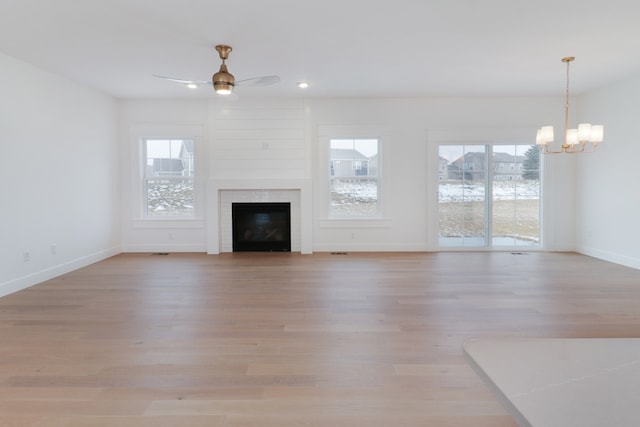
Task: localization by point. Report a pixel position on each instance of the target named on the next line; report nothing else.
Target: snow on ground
(167, 199)
(456, 191)
(355, 196)
(346, 192)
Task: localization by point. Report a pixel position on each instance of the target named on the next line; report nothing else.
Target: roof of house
(497, 157)
(347, 154)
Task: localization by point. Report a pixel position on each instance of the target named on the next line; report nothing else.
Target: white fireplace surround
(225, 192)
(229, 197)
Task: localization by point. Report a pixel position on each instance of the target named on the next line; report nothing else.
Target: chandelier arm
(583, 151)
(544, 149)
(573, 150)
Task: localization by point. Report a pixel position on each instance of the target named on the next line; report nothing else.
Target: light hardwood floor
(283, 339)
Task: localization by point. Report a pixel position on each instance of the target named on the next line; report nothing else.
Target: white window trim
(491, 135)
(138, 135)
(476, 136)
(325, 135)
(169, 178)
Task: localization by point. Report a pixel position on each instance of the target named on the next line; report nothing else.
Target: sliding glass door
(462, 194)
(489, 196)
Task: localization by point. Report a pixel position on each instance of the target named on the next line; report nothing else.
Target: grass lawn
(511, 218)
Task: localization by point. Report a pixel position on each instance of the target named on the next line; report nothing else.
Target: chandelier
(584, 139)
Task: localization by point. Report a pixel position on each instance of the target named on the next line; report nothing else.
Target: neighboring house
(507, 167)
(349, 162)
(453, 172)
(180, 166)
(373, 165)
(164, 167)
(186, 155)
(472, 166)
(443, 169)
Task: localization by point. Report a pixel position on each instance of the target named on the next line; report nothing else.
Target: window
(353, 176)
(168, 178)
(490, 196)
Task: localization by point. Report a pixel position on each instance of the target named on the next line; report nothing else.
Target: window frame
(169, 177)
(489, 179)
(138, 133)
(332, 176)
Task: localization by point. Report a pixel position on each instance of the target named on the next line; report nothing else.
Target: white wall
(412, 129)
(69, 173)
(608, 197)
(70, 183)
(294, 158)
(162, 119)
(59, 178)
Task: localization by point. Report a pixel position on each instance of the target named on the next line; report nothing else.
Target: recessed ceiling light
(192, 85)
(303, 85)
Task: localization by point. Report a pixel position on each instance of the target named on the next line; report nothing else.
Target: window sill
(168, 223)
(355, 223)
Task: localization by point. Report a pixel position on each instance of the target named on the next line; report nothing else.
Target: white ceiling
(344, 48)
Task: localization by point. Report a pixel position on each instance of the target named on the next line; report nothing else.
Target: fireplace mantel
(221, 192)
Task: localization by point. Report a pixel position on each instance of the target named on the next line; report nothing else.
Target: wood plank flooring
(283, 339)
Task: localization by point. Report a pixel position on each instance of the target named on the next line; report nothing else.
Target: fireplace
(261, 227)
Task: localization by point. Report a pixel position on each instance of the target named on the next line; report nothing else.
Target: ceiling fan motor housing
(223, 80)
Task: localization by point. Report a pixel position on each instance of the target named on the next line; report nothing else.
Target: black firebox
(264, 227)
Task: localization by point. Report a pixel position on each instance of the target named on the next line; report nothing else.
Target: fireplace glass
(261, 227)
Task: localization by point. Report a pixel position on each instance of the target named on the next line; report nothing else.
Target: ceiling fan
(223, 81)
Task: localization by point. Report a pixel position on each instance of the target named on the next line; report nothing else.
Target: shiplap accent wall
(259, 151)
(266, 141)
(295, 158)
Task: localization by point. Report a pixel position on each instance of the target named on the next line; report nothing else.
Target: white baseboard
(625, 260)
(369, 247)
(29, 280)
(194, 247)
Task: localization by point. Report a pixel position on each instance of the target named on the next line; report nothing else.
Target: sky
(164, 148)
(454, 152)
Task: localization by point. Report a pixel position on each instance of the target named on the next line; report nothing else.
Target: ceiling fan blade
(223, 81)
(173, 79)
(258, 81)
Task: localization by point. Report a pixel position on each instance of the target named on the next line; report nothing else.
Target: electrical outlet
(26, 256)
(54, 249)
